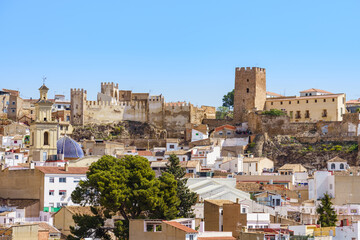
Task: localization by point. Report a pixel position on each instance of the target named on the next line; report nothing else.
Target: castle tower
(43, 131)
(110, 89)
(78, 101)
(250, 91)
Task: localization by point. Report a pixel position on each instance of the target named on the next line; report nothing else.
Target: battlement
(137, 104)
(177, 104)
(158, 98)
(247, 69)
(77, 90)
(110, 84)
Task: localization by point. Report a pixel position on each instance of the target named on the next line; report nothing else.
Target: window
(281, 103)
(62, 179)
(59, 106)
(16, 156)
(13, 110)
(316, 100)
(291, 114)
(247, 80)
(247, 90)
(307, 114)
(333, 99)
(13, 103)
(330, 186)
(171, 146)
(67, 118)
(46, 138)
(298, 102)
(62, 192)
(298, 115)
(191, 237)
(324, 113)
(220, 133)
(341, 166)
(51, 180)
(191, 170)
(307, 101)
(289, 102)
(333, 166)
(324, 100)
(51, 192)
(228, 133)
(272, 103)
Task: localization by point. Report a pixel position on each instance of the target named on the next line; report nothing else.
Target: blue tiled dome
(69, 148)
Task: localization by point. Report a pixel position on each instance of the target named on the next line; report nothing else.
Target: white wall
(323, 182)
(347, 232)
(337, 166)
(72, 180)
(197, 135)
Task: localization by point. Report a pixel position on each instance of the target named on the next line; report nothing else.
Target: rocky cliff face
(121, 130)
(284, 149)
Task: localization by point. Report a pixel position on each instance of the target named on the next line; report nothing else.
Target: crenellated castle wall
(114, 105)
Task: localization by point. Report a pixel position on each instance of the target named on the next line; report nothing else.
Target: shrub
(274, 112)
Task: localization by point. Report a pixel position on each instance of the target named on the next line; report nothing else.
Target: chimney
(237, 200)
(66, 167)
(31, 165)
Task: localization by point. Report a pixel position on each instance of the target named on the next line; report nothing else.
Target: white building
(197, 135)
(337, 164)
(207, 155)
(59, 183)
(232, 164)
(14, 157)
(322, 182)
(351, 232)
(257, 220)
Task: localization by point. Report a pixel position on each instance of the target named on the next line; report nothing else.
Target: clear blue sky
(186, 50)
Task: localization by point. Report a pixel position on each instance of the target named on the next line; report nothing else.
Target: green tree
(128, 187)
(223, 112)
(187, 198)
(327, 214)
(89, 226)
(228, 99)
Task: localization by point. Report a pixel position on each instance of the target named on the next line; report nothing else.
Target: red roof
(315, 90)
(225, 126)
(61, 170)
(145, 153)
(180, 227)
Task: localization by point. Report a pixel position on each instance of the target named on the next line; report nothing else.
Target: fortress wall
(104, 112)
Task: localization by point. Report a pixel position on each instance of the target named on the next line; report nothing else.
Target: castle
(114, 105)
(312, 105)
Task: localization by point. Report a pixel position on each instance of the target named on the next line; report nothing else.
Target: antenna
(44, 79)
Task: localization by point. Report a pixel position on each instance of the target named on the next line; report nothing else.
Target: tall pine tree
(187, 198)
(327, 214)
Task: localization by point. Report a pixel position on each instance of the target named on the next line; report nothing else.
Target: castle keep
(114, 105)
(250, 91)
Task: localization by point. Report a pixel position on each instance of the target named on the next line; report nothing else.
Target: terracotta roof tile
(337, 159)
(180, 227)
(61, 170)
(274, 94)
(145, 153)
(225, 126)
(219, 202)
(315, 90)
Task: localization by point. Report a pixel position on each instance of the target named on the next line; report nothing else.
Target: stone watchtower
(250, 91)
(78, 102)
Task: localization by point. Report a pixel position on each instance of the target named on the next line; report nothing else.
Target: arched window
(46, 138)
(341, 166)
(333, 166)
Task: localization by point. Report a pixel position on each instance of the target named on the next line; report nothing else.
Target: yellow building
(43, 131)
(312, 105)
